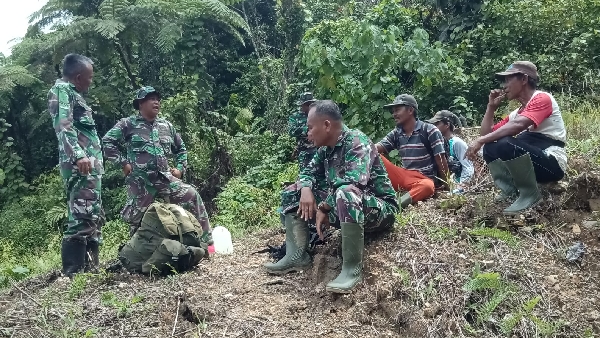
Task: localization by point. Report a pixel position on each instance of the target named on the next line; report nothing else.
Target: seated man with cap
(421, 147)
(462, 168)
(527, 146)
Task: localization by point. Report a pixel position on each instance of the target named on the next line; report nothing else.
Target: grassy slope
(440, 273)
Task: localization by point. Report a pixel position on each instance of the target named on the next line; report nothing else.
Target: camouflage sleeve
(308, 175)
(356, 168)
(296, 125)
(179, 150)
(111, 141)
(61, 112)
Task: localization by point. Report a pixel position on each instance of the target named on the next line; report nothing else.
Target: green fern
(168, 37)
(113, 9)
(12, 76)
(56, 215)
(484, 312)
(484, 281)
(498, 234)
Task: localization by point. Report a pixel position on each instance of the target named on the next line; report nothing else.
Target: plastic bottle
(222, 238)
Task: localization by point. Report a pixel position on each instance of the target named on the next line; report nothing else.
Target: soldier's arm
(356, 167)
(296, 125)
(180, 151)
(308, 176)
(61, 110)
(111, 141)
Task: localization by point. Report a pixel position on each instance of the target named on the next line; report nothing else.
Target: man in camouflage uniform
(297, 128)
(150, 141)
(348, 183)
(80, 162)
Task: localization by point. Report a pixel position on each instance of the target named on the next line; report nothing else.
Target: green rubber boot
(296, 245)
(405, 200)
(521, 169)
(503, 180)
(353, 242)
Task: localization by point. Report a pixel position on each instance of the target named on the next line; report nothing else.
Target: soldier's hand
(127, 169)
(321, 222)
(308, 205)
(84, 165)
(175, 172)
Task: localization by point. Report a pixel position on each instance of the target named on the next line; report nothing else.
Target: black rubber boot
(92, 256)
(73, 254)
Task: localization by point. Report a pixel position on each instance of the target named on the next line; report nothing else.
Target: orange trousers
(419, 186)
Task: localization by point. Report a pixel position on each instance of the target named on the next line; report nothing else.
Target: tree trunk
(132, 77)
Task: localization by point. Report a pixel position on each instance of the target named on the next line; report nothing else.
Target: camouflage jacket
(75, 129)
(149, 145)
(353, 161)
(298, 129)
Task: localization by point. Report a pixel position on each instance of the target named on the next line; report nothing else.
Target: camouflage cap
(141, 94)
(520, 67)
(446, 116)
(404, 100)
(306, 97)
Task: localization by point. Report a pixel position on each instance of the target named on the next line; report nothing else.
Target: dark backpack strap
(425, 139)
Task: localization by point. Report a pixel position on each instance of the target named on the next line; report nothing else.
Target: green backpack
(168, 240)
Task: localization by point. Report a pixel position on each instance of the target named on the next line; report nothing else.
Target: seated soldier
(421, 147)
(346, 183)
(458, 164)
(537, 153)
(150, 141)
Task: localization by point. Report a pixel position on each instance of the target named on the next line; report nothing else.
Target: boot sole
(336, 290)
(517, 213)
(343, 291)
(283, 272)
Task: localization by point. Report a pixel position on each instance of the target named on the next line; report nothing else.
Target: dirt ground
(419, 281)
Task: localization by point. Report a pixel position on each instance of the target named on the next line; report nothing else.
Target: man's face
(513, 85)
(401, 114)
(305, 107)
(83, 80)
(150, 105)
(318, 128)
(443, 127)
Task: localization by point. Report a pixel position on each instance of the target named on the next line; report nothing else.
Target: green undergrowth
(497, 304)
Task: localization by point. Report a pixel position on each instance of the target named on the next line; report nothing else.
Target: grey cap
(446, 116)
(404, 100)
(520, 67)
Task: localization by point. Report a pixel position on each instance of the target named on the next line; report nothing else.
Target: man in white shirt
(447, 122)
(537, 152)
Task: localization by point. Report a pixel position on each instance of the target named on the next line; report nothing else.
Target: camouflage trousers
(85, 215)
(352, 205)
(142, 189)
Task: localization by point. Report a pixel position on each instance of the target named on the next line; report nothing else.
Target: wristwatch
(324, 207)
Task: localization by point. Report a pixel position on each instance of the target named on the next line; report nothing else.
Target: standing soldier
(150, 141)
(298, 129)
(80, 161)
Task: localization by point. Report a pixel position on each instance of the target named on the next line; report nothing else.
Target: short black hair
(327, 108)
(73, 64)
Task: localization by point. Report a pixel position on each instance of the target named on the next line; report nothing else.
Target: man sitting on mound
(350, 185)
(528, 146)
